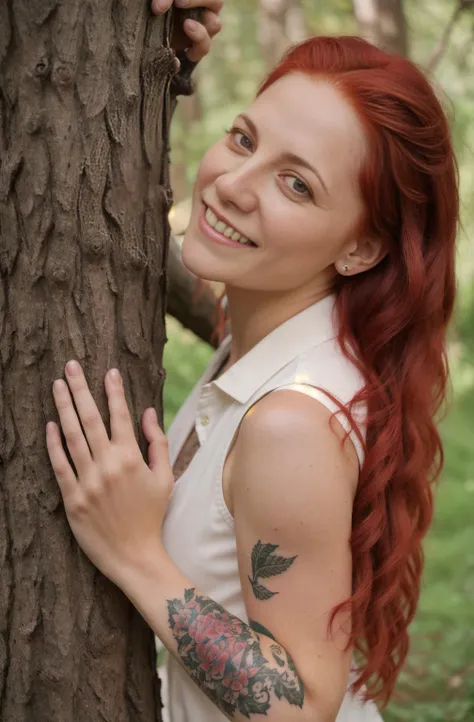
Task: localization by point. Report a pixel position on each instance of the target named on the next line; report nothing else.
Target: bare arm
(291, 492)
(292, 498)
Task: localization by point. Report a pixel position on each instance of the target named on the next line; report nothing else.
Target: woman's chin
(200, 261)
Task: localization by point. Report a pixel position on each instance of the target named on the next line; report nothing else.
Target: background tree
(383, 23)
(280, 23)
(461, 7)
(84, 195)
(191, 303)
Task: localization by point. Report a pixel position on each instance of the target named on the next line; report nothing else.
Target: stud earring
(345, 268)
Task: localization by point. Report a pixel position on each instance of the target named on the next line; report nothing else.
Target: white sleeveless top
(198, 531)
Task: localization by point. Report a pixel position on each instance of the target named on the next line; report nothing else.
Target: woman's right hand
(197, 36)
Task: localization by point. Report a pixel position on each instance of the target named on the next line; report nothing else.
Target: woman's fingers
(71, 427)
(199, 33)
(62, 468)
(89, 415)
(214, 5)
(121, 425)
(201, 41)
(211, 22)
(158, 443)
(161, 6)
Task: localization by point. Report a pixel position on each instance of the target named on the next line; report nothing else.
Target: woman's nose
(238, 189)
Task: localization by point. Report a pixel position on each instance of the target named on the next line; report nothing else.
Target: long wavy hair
(394, 317)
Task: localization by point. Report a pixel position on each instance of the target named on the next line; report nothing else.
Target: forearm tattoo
(224, 656)
(266, 564)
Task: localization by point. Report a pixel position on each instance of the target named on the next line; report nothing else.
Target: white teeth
(226, 230)
(211, 218)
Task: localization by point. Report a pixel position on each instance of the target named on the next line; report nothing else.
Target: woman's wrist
(149, 584)
(147, 568)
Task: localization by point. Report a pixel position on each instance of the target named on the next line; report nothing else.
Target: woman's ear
(361, 256)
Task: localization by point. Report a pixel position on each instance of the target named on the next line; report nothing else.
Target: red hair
(394, 317)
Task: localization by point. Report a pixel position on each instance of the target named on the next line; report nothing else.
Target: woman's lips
(216, 236)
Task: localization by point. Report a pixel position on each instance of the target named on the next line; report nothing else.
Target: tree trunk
(188, 301)
(193, 305)
(281, 23)
(383, 23)
(84, 194)
(189, 111)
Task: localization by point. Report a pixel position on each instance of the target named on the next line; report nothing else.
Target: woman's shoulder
(323, 374)
(285, 426)
(326, 366)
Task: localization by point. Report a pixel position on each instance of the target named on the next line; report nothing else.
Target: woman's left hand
(115, 502)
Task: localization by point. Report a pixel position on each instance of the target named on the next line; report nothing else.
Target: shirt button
(205, 420)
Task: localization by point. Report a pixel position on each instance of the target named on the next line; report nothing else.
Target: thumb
(158, 443)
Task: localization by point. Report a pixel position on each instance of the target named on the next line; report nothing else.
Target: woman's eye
(241, 139)
(297, 186)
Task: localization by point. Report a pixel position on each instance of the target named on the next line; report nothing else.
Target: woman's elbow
(322, 705)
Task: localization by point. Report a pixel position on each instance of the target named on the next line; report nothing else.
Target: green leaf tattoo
(223, 655)
(266, 564)
(260, 629)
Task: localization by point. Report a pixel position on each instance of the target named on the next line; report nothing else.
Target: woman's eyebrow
(290, 157)
(293, 158)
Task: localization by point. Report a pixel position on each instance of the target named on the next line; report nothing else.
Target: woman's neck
(253, 315)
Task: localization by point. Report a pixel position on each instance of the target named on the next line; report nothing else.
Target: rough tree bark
(84, 195)
(280, 24)
(383, 23)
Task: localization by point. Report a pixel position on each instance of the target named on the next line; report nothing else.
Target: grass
(437, 684)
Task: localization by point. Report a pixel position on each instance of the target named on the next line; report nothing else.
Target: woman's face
(285, 179)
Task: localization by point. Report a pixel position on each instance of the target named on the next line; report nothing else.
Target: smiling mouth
(224, 229)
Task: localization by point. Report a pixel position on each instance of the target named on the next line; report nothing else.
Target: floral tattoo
(223, 656)
(266, 564)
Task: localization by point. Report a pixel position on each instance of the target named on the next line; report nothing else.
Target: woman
(288, 566)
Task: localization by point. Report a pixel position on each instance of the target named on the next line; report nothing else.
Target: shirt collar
(298, 334)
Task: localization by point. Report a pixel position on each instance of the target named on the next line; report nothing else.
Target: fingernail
(114, 375)
(163, 4)
(72, 368)
(182, 3)
(152, 414)
(59, 386)
(191, 25)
